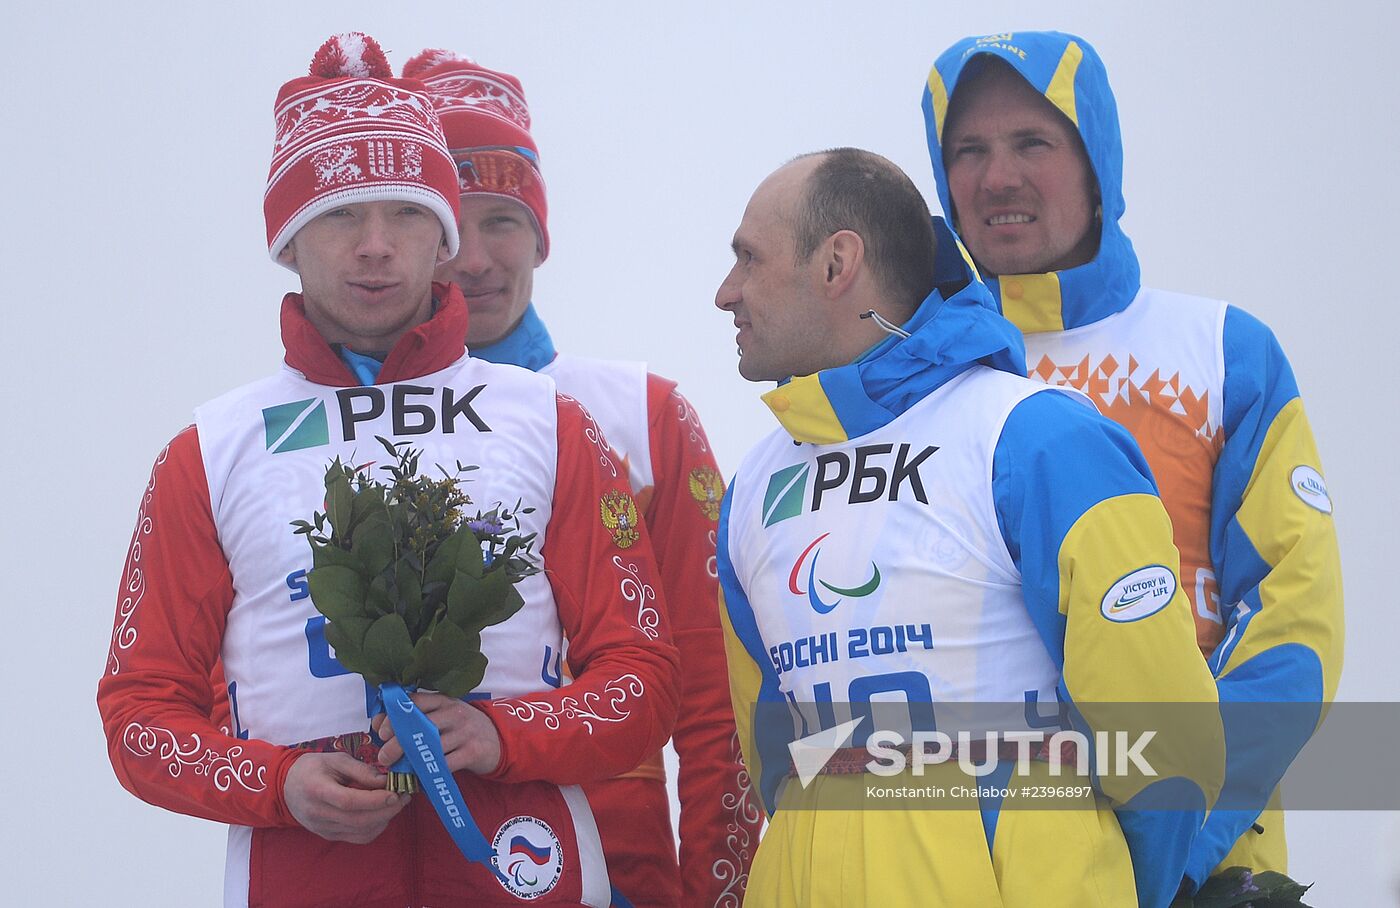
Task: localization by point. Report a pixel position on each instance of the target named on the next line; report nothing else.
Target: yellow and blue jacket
(930, 527)
(1209, 396)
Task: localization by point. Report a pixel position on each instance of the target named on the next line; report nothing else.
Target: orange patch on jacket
(1171, 423)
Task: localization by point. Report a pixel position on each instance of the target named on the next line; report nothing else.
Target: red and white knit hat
(350, 132)
(487, 126)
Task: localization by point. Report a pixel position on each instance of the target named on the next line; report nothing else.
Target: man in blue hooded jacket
(922, 531)
(1023, 132)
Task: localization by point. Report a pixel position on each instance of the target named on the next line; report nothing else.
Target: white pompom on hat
(350, 132)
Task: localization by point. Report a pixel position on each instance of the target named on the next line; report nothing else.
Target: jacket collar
(528, 344)
(431, 347)
(955, 328)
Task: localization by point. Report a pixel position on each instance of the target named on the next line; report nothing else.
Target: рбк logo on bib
(297, 425)
(529, 856)
(863, 474)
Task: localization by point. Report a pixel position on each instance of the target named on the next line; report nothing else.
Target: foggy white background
(1261, 147)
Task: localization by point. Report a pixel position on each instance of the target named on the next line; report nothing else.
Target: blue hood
(946, 337)
(1068, 72)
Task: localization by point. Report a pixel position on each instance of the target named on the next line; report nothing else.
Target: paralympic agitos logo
(861, 469)
(819, 605)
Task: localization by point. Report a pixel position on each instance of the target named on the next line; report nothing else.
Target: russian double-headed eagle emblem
(707, 488)
(619, 514)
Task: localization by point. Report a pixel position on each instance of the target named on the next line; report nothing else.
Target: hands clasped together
(341, 799)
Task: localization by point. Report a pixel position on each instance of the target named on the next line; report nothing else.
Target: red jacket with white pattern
(156, 697)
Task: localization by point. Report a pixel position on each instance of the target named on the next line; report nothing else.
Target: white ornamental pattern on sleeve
(635, 589)
(744, 815)
(686, 414)
(223, 769)
(605, 707)
(595, 435)
(133, 587)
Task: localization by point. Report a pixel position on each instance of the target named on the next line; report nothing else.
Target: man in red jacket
(670, 467)
(362, 205)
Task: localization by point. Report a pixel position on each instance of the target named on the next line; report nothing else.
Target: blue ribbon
(422, 755)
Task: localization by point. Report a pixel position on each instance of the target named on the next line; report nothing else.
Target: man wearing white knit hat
(361, 203)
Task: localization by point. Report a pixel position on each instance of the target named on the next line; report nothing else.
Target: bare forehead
(775, 200)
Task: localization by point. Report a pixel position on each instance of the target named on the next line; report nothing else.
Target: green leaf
(460, 681)
(387, 646)
(339, 497)
(465, 598)
(446, 649)
(373, 543)
(474, 604)
(469, 559)
(368, 500)
(1280, 887)
(443, 564)
(379, 598)
(323, 556)
(346, 636)
(460, 595)
(388, 446)
(337, 591)
(410, 598)
(511, 545)
(1236, 887)
(510, 603)
(434, 599)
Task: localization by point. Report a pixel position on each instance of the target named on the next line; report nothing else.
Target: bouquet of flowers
(407, 581)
